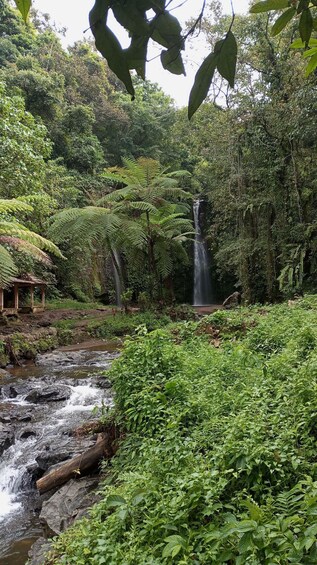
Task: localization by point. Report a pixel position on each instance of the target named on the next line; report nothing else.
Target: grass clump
(218, 464)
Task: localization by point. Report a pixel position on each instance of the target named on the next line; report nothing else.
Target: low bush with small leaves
(219, 459)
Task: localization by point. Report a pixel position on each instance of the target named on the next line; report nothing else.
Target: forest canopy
(68, 119)
(146, 20)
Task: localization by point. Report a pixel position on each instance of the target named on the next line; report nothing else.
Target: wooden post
(16, 296)
(1, 300)
(32, 297)
(43, 296)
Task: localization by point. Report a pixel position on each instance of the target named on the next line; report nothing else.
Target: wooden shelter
(9, 297)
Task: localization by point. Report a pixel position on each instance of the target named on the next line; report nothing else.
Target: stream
(40, 407)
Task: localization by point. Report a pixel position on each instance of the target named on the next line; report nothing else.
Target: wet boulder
(38, 551)
(49, 393)
(27, 433)
(47, 459)
(14, 390)
(10, 413)
(68, 447)
(6, 437)
(70, 502)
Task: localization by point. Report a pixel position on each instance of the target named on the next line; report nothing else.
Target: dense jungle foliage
(70, 135)
(217, 454)
(218, 464)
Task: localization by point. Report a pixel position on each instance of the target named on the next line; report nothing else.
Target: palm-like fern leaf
(14, 229)
(26, 247)
(13, 206)
(84, 224)
(8, 269)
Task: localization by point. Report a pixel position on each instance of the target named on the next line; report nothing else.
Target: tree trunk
(81, 464)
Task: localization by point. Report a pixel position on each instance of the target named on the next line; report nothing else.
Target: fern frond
(113, 176)
(85, 224)
(288, 503)
(115, 196)
(26, 247)
(15, 229)
(8, 269)
(12, 206)
(164, 261)
(141, 206)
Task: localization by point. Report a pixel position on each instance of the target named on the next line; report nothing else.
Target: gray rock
(12, 413)
(4, 374)
(14, 390)
(6, 437)
(66, 449)
(26, 433)
(67, 504)
(47, 459)
(38, 551)
(49, 393)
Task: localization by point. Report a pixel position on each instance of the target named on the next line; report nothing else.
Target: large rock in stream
(69, 503)
(6, 437)
(49, 393)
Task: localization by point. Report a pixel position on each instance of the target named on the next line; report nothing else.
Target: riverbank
(23, 338)
(48, 413)
(218, 460)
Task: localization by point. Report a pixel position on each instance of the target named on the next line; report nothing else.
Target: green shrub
(122, 324)
(219, 460)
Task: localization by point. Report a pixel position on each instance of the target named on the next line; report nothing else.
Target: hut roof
(29, 280)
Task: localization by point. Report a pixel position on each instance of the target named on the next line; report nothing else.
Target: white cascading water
(50, 426)
(15, 459)
(202, 284)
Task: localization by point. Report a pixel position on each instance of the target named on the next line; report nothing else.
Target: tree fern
(14, 235)
(143, 219)
(8, 268)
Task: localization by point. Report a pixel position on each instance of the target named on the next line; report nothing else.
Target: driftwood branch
(104, 448)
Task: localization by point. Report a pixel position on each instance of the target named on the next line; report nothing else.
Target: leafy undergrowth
(70, 304)
(219, 461)
(123, 324)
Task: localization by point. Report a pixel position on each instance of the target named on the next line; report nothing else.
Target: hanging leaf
(306, 26)
(227, 58)
(312, 65)
(131, 17)
(202, 83)
(136, 54)
(172, 61)
(268, 5)
(108, 45)
(166, 30)
(303, 5)
(24, 7)
(157, 5)
(282, 21)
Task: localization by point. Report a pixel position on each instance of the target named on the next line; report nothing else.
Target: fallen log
(81, 464)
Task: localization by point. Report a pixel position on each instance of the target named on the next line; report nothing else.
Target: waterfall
(117, 273)
(202, 285)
